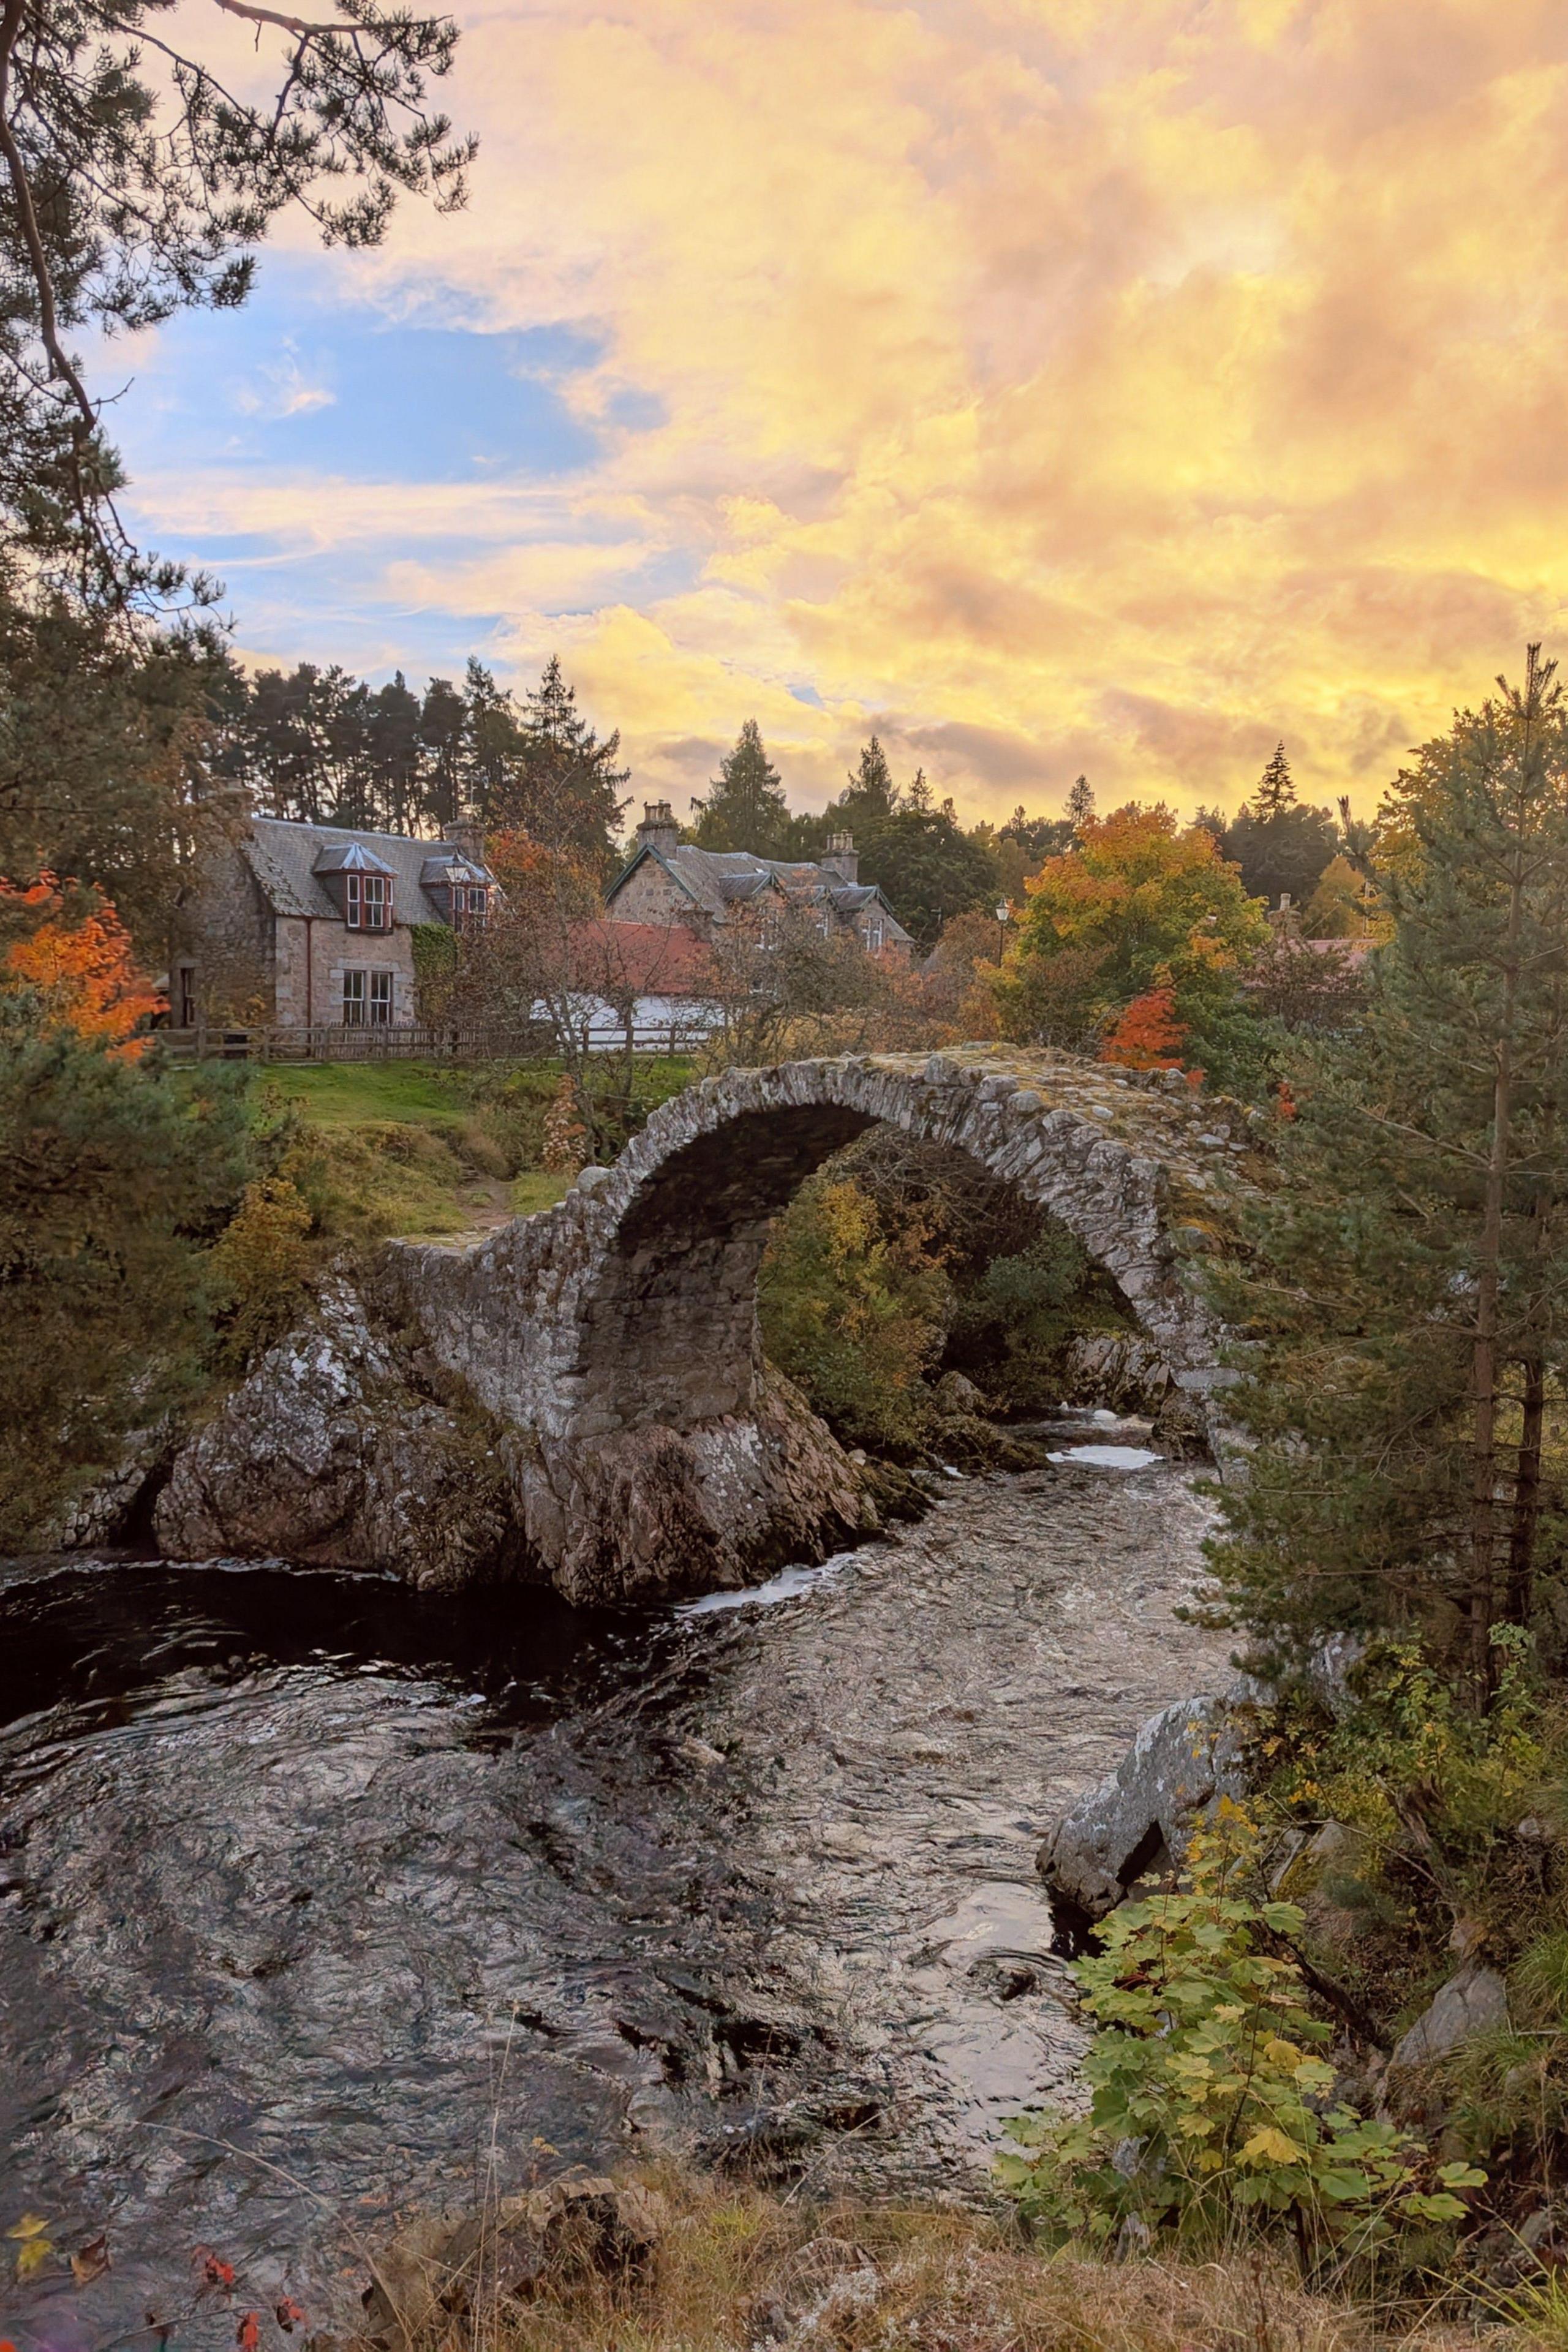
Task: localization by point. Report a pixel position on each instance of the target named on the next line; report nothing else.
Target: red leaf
(288, 2315)
(216, 2272)
(247, 2335)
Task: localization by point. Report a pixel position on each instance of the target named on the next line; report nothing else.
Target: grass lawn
(412, 1150)
(352, 1094)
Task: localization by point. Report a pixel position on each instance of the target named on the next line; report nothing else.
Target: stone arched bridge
(581, 1395)
(618, 1333)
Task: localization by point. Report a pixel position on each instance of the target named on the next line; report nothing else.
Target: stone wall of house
(333, 948)
(223, 930)
(652, 896)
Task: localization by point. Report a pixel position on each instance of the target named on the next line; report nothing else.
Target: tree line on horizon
(315, 743)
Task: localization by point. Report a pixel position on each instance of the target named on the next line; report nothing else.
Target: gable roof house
(305, 926)
(668, 882)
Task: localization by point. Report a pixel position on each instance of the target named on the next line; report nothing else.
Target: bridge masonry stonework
(597, 1366)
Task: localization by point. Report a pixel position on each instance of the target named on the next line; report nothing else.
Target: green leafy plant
(855, 1312)
(261, 1260)
(1210, 2100)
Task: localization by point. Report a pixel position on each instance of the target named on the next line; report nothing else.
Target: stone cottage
(668, 882)
(308, 926)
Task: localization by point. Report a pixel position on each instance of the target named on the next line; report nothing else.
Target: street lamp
(1002, 911)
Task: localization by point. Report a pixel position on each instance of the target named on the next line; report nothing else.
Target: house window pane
(352, 901)
(187, 996)
(381, 996)
(353, 999)
(377, 900)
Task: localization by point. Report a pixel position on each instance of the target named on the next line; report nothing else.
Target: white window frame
(367, 901)
(356, 997)
(873, 938)
(379, 1000)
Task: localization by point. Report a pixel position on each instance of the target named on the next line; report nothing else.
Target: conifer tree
(745, 807)
(1409, 1300)
(1080, 803)
(567, 789)
(1276, 790)
(872, 792)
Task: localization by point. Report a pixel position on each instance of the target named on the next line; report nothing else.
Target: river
(321, 1899)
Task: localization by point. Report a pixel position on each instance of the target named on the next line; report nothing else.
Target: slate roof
(719, 878)
(283, 856)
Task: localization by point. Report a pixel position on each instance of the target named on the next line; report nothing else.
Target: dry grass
(737, 2270)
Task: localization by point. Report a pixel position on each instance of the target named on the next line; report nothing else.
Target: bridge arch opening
(668, 1332)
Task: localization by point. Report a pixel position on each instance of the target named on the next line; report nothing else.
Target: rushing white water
(1107, 1457)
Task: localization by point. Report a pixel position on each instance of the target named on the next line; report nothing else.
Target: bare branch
(285, 24)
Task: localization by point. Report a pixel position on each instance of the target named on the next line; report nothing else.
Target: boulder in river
(1139, 1818)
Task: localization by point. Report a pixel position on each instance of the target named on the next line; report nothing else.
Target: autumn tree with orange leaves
(1148, 1036)
(77, 958)
(1140, 906)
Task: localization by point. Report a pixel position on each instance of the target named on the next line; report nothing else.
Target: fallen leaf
(288, 2315)
(6, 2345)
(31, 2225)
(31, 2256)
(216, 2272)
(247, 2335)
(91, 2262)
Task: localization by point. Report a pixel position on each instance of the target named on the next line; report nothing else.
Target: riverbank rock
(1473, 2001)
(333, 1452)
(105, 1512)
(346, 1447)
(1140, 1818)
(1122, 1371)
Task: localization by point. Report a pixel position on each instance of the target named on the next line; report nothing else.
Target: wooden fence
(436, 1042)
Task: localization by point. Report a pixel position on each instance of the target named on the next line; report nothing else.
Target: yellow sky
(1050, 384)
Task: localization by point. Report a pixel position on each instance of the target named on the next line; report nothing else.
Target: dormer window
(367, 901)
(359, 884)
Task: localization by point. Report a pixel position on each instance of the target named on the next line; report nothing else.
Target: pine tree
(1080, 803)
(745, 807)
(565, 788)
(871, 794)
(1276, 791)
(391, 734)
(493, 756)
(1410, 1300)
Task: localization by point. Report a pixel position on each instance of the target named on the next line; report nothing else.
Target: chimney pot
(842, 857)
(658, 829)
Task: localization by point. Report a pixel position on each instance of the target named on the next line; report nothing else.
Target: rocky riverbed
(321, 1899)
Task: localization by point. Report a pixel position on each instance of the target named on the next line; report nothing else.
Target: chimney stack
(658, 829)
(466, 836)
(842, 858)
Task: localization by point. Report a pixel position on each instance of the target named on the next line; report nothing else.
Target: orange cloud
(1119, 384)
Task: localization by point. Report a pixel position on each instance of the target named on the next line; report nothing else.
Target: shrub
(855, 1313)
(1010, 1326)
(114, 1176)
(260, 1261)
(1210, 2104)
(565, 1138)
